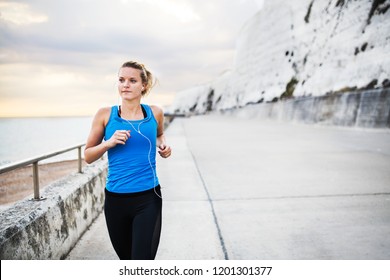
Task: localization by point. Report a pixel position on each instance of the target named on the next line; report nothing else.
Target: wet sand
(18, 184)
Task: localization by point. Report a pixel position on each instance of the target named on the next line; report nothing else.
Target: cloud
(20, 14)
(185, 42)
(182, 10)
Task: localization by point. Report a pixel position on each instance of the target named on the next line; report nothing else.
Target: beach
(18, 184)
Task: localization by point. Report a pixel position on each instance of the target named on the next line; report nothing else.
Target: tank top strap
(147, 108)
(149, 111)
(114, 111)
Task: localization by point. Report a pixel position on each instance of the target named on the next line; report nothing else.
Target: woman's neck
(131, 111)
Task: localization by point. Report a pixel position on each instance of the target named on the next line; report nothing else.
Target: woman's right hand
(119, 137)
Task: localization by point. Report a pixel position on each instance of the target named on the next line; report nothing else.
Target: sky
(61, 58)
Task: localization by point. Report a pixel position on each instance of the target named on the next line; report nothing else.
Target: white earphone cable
(149, 153)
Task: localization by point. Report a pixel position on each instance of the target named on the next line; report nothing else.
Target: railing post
(36, 181)
(80, 162)
(34, 162)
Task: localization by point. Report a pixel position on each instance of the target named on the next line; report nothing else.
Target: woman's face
(130, 83)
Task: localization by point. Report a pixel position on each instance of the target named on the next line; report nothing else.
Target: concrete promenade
(239, 188)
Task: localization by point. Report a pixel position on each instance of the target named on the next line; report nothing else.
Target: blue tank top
(132, 166)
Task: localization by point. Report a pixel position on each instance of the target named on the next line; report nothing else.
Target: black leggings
(134, 223)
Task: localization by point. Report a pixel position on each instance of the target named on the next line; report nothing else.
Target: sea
(25, 138)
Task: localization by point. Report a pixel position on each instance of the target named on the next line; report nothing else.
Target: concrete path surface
(239, 188)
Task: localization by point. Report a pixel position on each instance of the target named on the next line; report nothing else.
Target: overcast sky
(61, 57)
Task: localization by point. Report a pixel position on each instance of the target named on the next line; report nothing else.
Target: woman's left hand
(164, 150)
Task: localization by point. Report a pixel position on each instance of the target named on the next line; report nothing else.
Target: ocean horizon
(27, 137)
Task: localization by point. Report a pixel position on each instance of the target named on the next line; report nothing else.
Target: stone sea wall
(370, 109)
(48, 229)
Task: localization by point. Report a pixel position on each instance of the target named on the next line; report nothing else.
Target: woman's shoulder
(103, 114)
(104, 111)
(157, 111)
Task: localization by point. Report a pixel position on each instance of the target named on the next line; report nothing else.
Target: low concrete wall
(50, 228)
(362, 109)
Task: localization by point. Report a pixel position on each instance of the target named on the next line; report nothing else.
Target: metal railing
(34, 162)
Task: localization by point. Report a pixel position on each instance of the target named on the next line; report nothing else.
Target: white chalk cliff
(301, 48)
